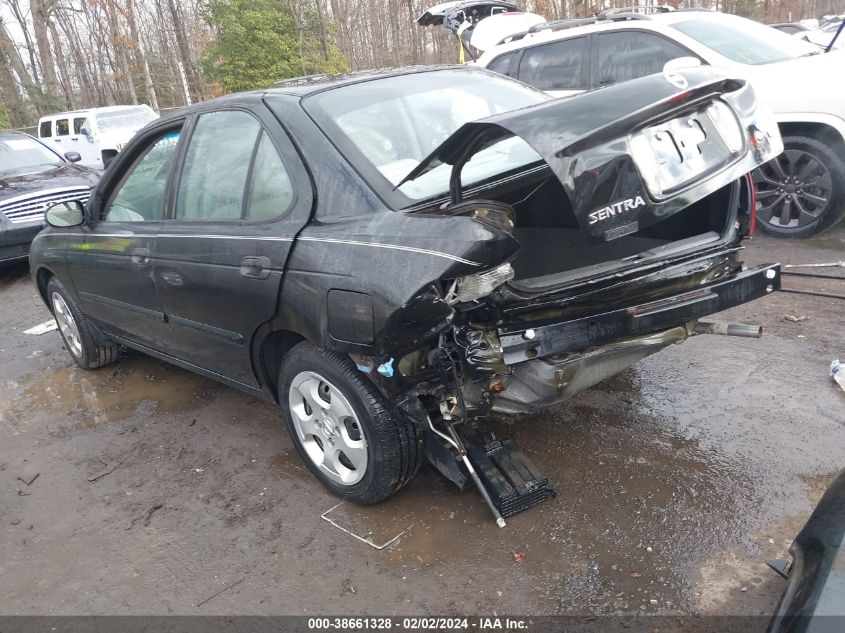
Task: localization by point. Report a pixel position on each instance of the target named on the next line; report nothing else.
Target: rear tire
(345, 431)
(801, 192)
(76, 331)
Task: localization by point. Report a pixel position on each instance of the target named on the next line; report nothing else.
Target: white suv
(798, 194)
(97, 134)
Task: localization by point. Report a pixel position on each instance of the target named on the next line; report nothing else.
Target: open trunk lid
(633, 154)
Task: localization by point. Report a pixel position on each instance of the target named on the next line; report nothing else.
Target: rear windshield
(21, 155)
(745, 41)
(129, 118)
(386, 127)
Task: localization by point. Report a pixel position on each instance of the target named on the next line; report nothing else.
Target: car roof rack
(608, 15)
(641, 11)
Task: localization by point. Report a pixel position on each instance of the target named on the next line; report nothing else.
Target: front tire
(76, 331)
(347, 434)
(802, 191)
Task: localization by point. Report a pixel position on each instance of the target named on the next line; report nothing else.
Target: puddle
(135, 385)
(626, 521)
(653, 477)
(739, 581)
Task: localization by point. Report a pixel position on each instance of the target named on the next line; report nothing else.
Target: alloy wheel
(793, 190)
(328, 428)
(67, 324)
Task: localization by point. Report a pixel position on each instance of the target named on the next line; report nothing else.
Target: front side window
(216, 166)
(62, 127)
(386, 127)
(745, 41)
(140, 197)
(78, 124)
(625, 55)
(20, 155)
(556, 66)
(45, 129)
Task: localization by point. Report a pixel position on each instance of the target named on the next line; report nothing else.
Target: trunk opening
(555, 249)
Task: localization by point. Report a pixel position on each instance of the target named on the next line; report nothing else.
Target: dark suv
(389, 265)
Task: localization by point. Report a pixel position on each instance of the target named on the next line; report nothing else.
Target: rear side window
(216, 167)
(507, 64)
(45, 129)
(140, 197)
(556, 65)
(270, 189)
(62, 127)
(631, 54)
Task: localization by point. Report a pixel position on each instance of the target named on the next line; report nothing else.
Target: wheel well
(43, 278)
(821, 132)
(274, 348)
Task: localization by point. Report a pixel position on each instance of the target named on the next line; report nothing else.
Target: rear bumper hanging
(527, 343)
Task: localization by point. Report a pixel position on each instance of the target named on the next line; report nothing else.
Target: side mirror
(73, 157)
(64, 214)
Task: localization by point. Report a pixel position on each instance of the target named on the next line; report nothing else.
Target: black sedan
(32, 177)
(394, 256)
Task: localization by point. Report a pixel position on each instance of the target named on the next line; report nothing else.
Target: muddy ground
(141, 488)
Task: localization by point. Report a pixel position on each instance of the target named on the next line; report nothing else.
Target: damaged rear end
(629, 232)
(616, 229)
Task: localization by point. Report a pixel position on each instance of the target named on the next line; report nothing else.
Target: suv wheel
(802, 191)
(76, 331)
(343, 428)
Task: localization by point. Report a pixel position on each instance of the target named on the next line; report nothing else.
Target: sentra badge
(616, 208)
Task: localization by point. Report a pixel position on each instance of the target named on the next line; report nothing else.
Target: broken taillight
(473, 287)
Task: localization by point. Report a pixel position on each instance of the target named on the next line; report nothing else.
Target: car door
(560, 68)
(112, 267)
(623, 55)
(61, 136)
(79, 142)
(241, 197)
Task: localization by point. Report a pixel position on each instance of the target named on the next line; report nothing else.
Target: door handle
(255, 267)
(141, 256)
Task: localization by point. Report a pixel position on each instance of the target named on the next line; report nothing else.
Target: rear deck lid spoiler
(631, 154)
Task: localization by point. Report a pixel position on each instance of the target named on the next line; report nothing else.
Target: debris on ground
(839, 264)
(30, 482)
(41, 328)
(224, 589)
(366, 538)
(634, 573)
(518, 557)
(837, 371)
(793, 318)
(146, 517)
(107, 471)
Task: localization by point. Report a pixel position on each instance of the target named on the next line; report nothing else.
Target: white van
(98, 134)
